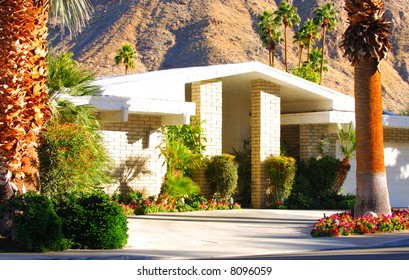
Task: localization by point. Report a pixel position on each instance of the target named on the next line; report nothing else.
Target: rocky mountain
(182, 33)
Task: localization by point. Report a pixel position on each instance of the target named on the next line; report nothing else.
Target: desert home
(236, 102)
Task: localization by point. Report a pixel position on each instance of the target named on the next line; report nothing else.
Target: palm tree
(310, 70)
(366, 43)
(66, 76)
(300, 37)
(287, 14)
(267, 29)
(23, 76)
(347, 139)
(326, 18)
(311, 31)
(126, 55)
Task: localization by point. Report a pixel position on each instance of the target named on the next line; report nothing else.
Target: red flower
(279, 202)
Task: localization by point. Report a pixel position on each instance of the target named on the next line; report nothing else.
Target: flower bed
(196, 203)
(343, 224)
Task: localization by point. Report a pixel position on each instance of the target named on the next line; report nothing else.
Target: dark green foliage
(280, 175)
(313, 186)
(222, 174)
(93, 221)
(35, 225)
(243, 159)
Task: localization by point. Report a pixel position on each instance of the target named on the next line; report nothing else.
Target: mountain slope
(182, 33)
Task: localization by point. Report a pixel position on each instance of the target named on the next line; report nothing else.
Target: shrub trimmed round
(35, 225)
(93, 221)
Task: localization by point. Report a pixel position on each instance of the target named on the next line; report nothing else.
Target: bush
(243, 159)
(93, 221)
(71, 159)
(280, 175)
(313, 187)
(221, 173)
(35, 226)
(176, 186)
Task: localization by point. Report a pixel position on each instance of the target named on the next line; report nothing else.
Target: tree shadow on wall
(128, 170)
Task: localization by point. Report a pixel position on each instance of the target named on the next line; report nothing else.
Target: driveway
(223, 234)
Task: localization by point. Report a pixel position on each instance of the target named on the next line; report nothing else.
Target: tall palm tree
(311, 31)
(287, 14)
(301, 39)
(366, 43)
(270, 36)
(126, 55)
(326, 18)
(23, 76)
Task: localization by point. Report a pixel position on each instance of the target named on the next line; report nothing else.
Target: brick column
(208, 98)
(265, 135)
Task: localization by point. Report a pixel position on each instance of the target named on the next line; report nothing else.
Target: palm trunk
(271, 57)
(300, 55)
(23, 76)
(371, 185)
(309, 48)
(285, 48)
(323, 52)
(341, 175)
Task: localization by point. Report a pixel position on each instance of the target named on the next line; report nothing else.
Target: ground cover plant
(139, 206)
(344, 224)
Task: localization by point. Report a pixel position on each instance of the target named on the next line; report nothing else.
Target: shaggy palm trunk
(341, 175)
(371, 185)
(24, 102)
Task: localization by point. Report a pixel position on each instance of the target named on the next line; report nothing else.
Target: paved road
(224, 234)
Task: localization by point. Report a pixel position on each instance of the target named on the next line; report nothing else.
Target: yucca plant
(366, 43)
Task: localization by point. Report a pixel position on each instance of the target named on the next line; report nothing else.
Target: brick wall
(290, 140)
(265, 135)
(125, 139)
(208, 98)
(316, 141)
(396, 135)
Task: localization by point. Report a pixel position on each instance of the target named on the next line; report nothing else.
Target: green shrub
(176, 186)
(313, 187)
(243, 159)
(35, 225)
(222, 174)
(280, 175)
(92, 220)
(72, 158)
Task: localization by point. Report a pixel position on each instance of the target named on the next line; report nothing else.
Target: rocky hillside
(180, 33)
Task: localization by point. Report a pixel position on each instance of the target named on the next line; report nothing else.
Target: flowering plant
(343, 224)
(152, 206)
